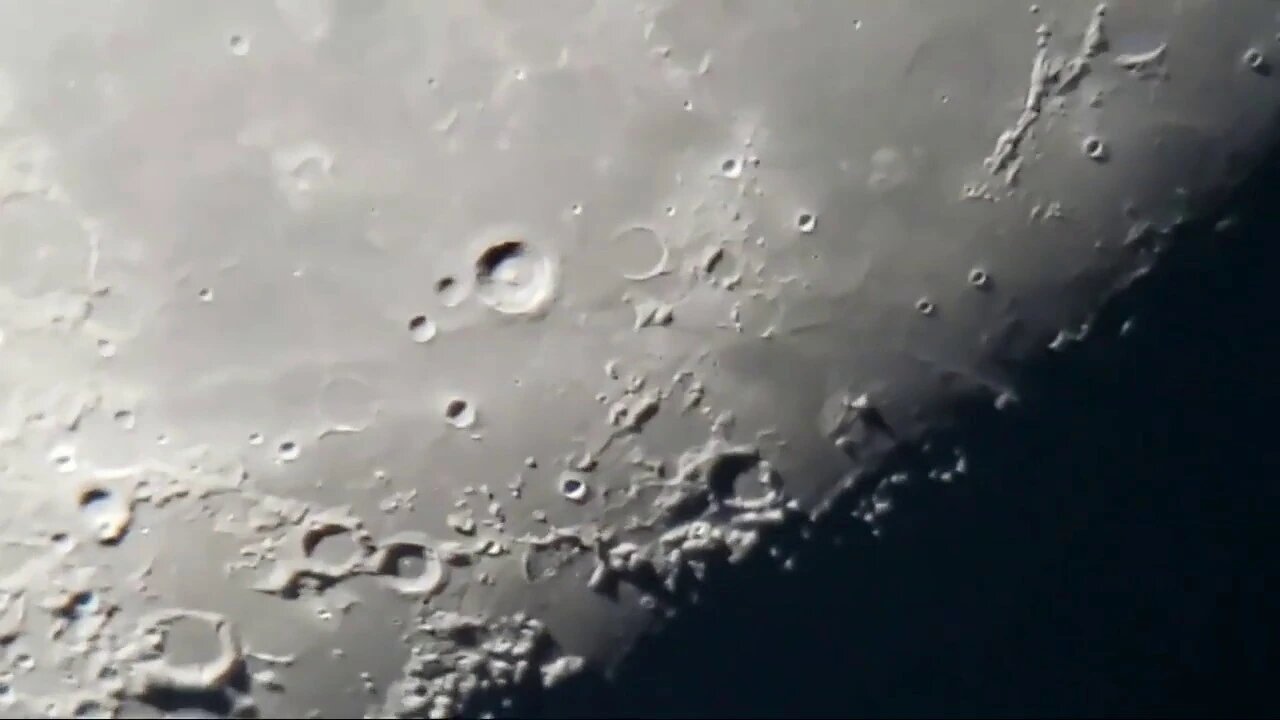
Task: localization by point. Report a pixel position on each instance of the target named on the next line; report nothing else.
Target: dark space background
(1114, 550)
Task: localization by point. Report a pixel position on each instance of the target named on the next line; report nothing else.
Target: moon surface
(393, 360)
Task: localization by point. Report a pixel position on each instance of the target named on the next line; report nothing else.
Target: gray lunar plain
(399, 359)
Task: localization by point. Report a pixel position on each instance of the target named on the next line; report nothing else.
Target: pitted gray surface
(371, 357)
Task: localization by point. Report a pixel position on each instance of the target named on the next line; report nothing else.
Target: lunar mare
(398, 360)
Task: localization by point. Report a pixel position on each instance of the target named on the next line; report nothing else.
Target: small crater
(459, 413)
(409, 564)
(1005, 401)
(806, 222)
(63, 458)
(239, 45)
(348, 402)
(91, 709)
(450, 291)
(302, 169)
(979, 279)
(84, 603)
(1095, 148)
(76, 605)
(515, 278)
(731, 474)
(731, 168)
(332, 545)
(404, 561)
(107, 514)
(574, 487)
(640, 252)
(288, 451)
(125, 419)
(926, 307)
(1255, 60)
(422, 329)
(185, 653)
